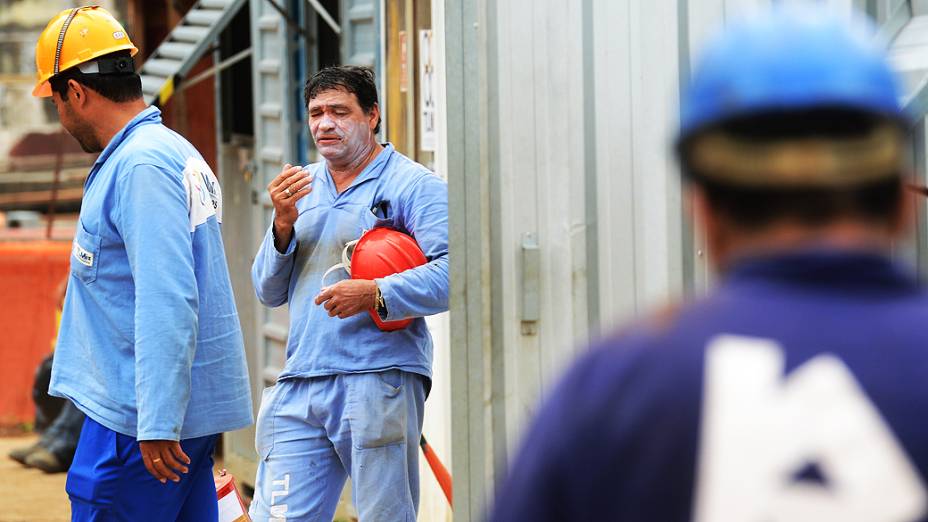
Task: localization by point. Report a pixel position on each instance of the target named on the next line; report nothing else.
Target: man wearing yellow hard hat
(150, 347)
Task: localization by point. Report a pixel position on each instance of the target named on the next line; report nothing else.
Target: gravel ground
(29, 495)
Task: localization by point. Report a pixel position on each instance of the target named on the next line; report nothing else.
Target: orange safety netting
(30, 274)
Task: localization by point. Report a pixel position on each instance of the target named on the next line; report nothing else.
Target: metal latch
(531, 281)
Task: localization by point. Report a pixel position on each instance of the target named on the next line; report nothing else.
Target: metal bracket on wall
(291, 23)
(531, 282)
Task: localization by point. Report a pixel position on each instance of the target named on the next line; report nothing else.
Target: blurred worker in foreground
(350, 398)
(57, 420)
(150, 347)
(796, 390)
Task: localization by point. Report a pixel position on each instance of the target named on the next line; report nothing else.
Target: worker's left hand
(348, 297)
(162, 458)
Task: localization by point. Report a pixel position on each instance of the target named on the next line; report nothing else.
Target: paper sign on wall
(426, 92)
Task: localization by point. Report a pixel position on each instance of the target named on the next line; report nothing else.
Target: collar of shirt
(371, 171)
(826, 267)
(147, 116)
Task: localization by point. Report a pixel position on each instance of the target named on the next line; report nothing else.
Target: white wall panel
(539, 190)
(655, 84)
(433, 507)
(576, 106)
(537, 158)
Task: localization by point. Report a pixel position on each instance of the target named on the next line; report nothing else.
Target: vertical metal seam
(458, 184)
(687, 231)
(591, 174)
(632, 173)
(494, 170)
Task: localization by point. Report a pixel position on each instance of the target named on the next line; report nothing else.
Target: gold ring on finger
(156, 460)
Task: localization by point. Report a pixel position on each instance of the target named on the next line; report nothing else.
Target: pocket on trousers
(94, 474)
(393, 380)
(264, 425)
(379, 417)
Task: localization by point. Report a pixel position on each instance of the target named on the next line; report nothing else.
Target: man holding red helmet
(350, 398)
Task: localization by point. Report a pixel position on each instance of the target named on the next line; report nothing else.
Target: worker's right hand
(292, 184)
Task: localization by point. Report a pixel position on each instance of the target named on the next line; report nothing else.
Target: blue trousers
(312, 433)
(108, 482)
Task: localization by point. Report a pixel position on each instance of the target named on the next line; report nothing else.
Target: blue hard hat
(794, 57)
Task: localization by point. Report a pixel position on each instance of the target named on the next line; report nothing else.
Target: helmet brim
(42, 90)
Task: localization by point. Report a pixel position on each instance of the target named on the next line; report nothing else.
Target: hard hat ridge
(818, 84)
(78, 36)
(794, 57)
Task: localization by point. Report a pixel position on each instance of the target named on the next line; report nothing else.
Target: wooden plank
(39, 196)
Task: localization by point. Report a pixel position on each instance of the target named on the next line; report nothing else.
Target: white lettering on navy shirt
(761, 430)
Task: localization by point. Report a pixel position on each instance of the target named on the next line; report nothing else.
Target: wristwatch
(379, 304)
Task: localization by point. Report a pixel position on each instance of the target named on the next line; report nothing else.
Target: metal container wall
(567, 215)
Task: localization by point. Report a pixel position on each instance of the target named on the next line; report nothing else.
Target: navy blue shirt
(797, 391)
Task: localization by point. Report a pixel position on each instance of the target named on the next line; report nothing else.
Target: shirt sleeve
(154, 223)
(423, 290)
(271, 270)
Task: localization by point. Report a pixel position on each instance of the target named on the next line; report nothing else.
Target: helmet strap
(61, 35)
(346, 261)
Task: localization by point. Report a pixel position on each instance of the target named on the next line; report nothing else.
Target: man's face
(342, 131)
(76, 126)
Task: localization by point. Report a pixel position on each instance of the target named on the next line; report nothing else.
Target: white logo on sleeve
(761, 431)
(204, 197)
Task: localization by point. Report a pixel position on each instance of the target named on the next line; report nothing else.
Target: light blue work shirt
(150, 343)
(392, 190)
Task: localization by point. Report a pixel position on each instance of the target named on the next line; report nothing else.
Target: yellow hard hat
(73, 37)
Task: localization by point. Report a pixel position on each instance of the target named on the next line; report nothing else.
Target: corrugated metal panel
(538, 184)
(574, 110)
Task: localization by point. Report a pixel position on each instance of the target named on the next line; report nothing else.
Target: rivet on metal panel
(531, 281)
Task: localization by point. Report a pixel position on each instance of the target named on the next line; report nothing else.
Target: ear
(711, 226)
(374, 117)
(906, 208)
(702, 212)
(78, 93)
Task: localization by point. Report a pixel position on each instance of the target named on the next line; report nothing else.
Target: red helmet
(379, 253)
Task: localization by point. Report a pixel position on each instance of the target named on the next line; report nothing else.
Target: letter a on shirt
(760, 429)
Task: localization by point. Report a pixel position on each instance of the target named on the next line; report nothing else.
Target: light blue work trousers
(313, 432)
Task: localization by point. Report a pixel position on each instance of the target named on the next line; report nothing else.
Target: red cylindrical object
(441, 473)
(231, 505)
(382, 252)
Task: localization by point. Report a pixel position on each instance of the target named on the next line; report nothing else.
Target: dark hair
(114, 87)
(351, 78)
(755, 207)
